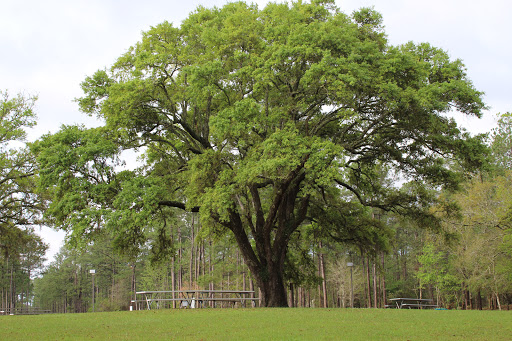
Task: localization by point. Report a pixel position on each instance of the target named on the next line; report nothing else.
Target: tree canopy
(265, 121)
(21, 250)
(501, 142)
(19, 204)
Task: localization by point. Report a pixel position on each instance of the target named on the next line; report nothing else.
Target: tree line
(276, 146)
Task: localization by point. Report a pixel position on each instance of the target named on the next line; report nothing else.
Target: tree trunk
(479, 302)
(384, 297)
(471, 305)
(292, 298)
(322, 275)
(180, 259)
(173, 280)
(199, 259)
(397, 259)
(368, 282)
(375, 287)
(75, 289)
(134, 285)
(404, 269)
(12, 304)
(271, 284)
(191, 263)
(267, 269)
(466, 298)
(210, 271)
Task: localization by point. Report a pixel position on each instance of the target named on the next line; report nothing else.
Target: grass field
(263, 324)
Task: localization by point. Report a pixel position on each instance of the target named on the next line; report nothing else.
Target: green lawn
(263, 324)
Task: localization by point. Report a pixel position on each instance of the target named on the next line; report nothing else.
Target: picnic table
(192, 298)
(412, 303)
(24, 311)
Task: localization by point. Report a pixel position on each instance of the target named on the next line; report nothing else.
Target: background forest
(276, 148)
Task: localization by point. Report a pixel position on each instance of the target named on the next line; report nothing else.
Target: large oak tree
(263, 121)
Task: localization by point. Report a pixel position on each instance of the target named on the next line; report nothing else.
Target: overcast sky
(48, 47)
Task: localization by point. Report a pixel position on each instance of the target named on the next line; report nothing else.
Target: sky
(47, 48)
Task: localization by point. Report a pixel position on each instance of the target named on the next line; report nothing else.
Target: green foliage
(434, 272)
(481, 257)
(16, 114)
(81, 173)
(78, 172)
(501, 142)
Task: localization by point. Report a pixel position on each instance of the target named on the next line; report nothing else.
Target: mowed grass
(263, 324)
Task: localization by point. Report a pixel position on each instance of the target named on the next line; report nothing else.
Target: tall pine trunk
(375, 287)
(384, 297)
(368, 282)
(322, 275)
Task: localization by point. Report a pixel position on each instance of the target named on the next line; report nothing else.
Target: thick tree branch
(178, 204)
